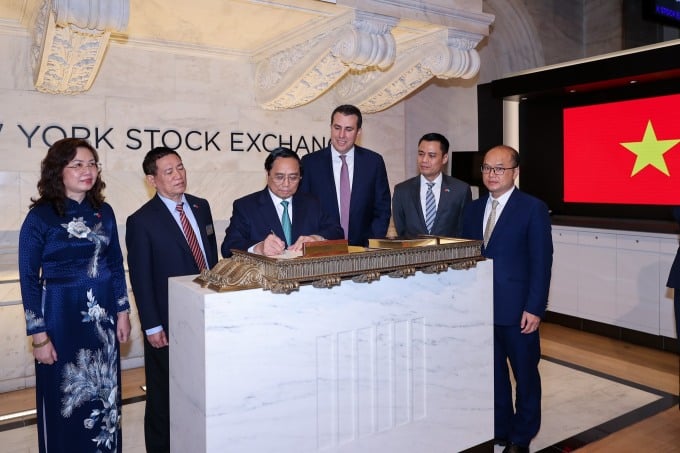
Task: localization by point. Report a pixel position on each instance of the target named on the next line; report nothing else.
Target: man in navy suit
(449, 195)
(520, 244)
(158, 248)
(258, 221)
(368, 210)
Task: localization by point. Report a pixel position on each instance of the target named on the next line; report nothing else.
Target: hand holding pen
(271, 245)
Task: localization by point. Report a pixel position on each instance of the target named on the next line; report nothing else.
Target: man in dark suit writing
(350, 181)
(516, 231)
(431, 203)
(279, 217)
(171, 235)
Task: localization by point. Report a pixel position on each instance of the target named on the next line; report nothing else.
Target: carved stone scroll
(299, 74)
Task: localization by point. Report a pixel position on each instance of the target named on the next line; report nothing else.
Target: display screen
(664, 11)
(625, 152)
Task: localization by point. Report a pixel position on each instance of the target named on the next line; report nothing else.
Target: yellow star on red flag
(650, 151)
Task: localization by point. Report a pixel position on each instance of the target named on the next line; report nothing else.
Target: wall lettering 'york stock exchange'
(37, 135)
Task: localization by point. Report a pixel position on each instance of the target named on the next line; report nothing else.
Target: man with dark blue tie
(516, 231)
(350, 181)
(278, 218)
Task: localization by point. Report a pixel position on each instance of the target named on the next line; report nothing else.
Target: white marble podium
(397, 365)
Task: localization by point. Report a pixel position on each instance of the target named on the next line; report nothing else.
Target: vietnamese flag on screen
(625, 152)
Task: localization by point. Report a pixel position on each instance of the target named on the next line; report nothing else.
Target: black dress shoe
(514, 448)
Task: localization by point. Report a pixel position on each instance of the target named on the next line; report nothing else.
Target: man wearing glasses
(515, 228)
(278, 218)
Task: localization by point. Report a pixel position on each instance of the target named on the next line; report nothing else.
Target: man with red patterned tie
(170, 235)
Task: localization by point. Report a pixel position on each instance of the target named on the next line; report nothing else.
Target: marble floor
(579, 405)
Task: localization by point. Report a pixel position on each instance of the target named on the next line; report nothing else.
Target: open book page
(287, 254)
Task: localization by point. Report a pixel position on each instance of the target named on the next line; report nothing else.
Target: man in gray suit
(431, 203)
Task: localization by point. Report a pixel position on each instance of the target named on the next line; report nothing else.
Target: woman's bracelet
(41, 344)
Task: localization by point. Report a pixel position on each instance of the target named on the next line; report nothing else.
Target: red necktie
(191, 238)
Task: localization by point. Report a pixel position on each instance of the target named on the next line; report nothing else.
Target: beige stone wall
(142, 88)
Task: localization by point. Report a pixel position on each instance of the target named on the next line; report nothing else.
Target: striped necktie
(430, 207)
(191, 238)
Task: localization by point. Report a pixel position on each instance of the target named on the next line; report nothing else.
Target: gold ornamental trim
(284, 275)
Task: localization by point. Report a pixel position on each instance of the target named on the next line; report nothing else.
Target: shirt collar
(336, 154)
(437, 181)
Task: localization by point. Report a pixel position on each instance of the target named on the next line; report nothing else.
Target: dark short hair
(149, 164)
(281, 153)
(51, 184)
(514, 154)
(347, 109)
(436, 137)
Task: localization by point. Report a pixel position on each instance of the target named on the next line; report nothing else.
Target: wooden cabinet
(614, 277)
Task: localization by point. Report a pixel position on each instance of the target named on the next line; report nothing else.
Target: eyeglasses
(496, 170)
(291, 178)
(79, 165)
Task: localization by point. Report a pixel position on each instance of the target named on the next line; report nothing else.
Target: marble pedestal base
(397, 365)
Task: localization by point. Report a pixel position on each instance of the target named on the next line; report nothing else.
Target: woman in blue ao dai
(75, 303)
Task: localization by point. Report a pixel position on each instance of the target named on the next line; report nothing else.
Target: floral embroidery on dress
(94, 377)
(78, 228)
(33, 321)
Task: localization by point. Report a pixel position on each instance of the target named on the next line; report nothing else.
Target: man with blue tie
(432, 202)
(170, 235)
(516, 231)
(350, 181)
(279, 217)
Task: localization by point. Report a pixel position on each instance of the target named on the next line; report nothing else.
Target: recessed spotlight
(633, 81)
(572, 91)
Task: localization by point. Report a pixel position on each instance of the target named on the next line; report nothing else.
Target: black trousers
(157, 412)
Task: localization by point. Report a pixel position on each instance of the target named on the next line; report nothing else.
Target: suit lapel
(505, 219)
(299, 216)
(201, 222)
(445, 196)
(166, 218)
(327, 167)
(360, 179)
(415, 199)
(269, 213)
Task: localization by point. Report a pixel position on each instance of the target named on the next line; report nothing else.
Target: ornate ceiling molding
(363, 62)
(299, 74)
(70, 39)
(417, 62)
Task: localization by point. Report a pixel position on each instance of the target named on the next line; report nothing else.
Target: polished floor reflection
(599, 395)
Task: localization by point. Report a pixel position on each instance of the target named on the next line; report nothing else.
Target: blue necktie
(430, 208)
(285, 223)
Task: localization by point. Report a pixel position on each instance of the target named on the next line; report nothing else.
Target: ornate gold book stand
(325, 264)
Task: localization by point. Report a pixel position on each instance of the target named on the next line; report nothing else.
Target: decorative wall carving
(299, 74)
(371, 53)
(363, 63)
(69, 42)
(417, 63)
